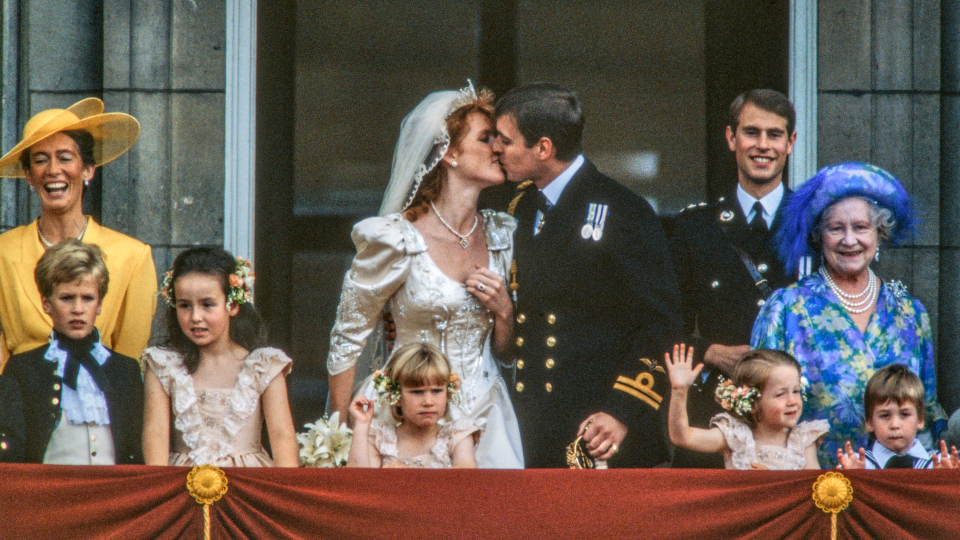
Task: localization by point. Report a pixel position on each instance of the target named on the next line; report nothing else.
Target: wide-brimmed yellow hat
(113, 133)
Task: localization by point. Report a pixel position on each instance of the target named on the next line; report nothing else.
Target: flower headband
(739, 401)
(388, 390)
(240, 281)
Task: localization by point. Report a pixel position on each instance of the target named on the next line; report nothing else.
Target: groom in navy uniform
(725, 262)
(596, 298)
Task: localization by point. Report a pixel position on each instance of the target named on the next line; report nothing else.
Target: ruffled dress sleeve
(737, 434)
(167, 365)
(807, 433)
(381, 266)
(383, 437)
(498, 229)
(450, 436)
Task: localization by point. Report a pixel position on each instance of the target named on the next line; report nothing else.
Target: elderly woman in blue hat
(843, 322)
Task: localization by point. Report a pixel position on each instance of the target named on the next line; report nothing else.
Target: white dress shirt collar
(770, 203)
(555, 188)
(883, 454)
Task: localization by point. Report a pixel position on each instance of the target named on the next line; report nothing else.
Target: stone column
(949, 354)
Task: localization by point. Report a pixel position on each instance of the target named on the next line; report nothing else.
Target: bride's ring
(480, 287)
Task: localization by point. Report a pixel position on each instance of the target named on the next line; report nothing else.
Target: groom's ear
(544, 149)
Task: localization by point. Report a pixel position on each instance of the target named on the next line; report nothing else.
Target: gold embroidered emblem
(640, 388)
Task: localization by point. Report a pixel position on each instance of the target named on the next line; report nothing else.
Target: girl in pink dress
(415, 384)
(764, 400)
(210, 377)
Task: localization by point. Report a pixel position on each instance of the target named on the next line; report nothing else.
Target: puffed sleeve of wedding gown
(384, 245)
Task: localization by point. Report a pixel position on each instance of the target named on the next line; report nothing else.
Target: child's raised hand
(846, 459)
(680, 366)
(361, 410)
(943, 460)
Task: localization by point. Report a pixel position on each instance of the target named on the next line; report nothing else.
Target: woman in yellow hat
(58, 154)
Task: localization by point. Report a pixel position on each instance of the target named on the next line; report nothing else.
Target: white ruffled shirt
(87, 404)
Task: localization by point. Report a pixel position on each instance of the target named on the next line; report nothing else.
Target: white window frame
(239, 196)
(803, 89)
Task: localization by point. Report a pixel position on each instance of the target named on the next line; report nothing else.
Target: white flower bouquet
(326, 443)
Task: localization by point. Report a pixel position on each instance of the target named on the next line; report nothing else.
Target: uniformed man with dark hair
(725, 263)
(596, 298)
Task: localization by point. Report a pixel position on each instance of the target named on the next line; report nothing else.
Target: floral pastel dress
(383, 436)
(744, 451)
(393, 270)
(807, 321)
(217, 426)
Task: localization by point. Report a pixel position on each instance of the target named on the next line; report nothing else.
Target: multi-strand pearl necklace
(49, 244)
(854, 303)
(464, 243)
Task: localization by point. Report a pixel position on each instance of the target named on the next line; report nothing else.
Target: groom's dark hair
(546, 110)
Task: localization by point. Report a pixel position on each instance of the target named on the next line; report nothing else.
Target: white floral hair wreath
(423, 142)
(240, 282)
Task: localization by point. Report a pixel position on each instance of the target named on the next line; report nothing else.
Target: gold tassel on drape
(832, 493)
(206, 483)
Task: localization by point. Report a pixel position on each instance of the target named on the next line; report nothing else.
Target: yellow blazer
(128, 307)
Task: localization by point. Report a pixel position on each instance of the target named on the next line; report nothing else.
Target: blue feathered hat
(849, 179)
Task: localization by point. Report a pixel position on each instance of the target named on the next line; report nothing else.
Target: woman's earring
(453, 163)
(876, 256)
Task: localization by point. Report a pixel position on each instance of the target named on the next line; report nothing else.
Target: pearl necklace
(847, 300)
(48, 244)
(463, 237)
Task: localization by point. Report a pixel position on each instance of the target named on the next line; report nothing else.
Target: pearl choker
(463, 237)
(854, 303)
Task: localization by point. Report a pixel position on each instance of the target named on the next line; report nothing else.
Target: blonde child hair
(753, 370)
(416, 364)
(67, 262)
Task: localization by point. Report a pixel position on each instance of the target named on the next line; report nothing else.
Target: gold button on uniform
(519, 387)
(55, 401)
(93, 438)
(519, 342)
(551, 318)
(56, 386)
(549, 387)
(549, 363)
(3, 445)
(520, 364)
(521, 318)
(551, 341)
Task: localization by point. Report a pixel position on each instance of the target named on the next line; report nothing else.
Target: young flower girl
(416, 384)
(210, 376)
(764, 401)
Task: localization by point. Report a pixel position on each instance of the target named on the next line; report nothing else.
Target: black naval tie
(900, 462)
(758, 223)
(543, 205)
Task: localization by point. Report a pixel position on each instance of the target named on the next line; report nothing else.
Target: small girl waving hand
(210, 376)
(416, 384)
(761, 430)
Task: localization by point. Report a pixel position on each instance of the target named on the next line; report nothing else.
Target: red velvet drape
(152, 502)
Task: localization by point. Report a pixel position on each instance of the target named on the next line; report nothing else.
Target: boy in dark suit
(80, 403)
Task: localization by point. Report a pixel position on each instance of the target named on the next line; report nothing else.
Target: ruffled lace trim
(806, 433)
(384, 438)
(743, 449)
(86, 404)
(254, 377)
